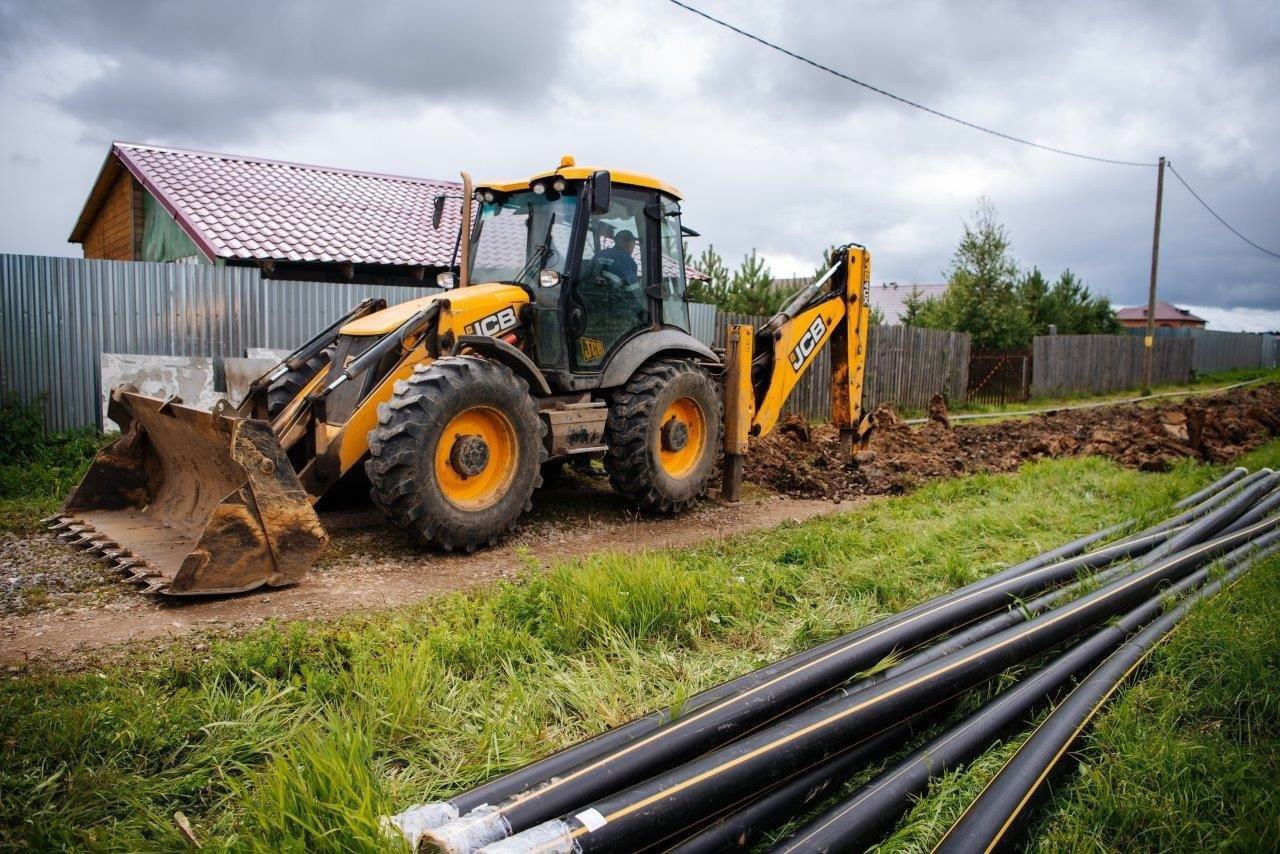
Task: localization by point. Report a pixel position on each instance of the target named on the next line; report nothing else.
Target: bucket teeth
(100, 546)
(71, 532)
(60, 524)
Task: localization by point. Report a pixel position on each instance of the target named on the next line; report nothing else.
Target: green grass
(34, 487)
(297, 737)
(37, 470)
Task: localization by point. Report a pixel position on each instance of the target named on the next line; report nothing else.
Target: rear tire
(282, 392)
(457, 453)
(664, 433)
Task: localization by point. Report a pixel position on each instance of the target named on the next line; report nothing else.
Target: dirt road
(370, 565)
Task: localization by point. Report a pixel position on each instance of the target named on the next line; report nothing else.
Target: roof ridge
(248, 158)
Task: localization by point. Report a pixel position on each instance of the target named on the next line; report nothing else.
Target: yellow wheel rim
(682, 437)
(476, 458)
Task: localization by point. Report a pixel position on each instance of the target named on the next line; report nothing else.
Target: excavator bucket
(189, 502)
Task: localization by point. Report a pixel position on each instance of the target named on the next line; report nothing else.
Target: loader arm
(763, 367)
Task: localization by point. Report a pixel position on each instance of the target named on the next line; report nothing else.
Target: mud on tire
(636, 439)
(423, 453)
(287, 387)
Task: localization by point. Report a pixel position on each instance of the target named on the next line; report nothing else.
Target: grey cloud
(178, 68)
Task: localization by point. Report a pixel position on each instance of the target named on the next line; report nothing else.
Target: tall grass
(37, 470)
(297, 737)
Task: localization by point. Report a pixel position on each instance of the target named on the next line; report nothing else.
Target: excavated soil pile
(804, 461)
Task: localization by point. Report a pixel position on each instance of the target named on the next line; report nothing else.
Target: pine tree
(751, 289)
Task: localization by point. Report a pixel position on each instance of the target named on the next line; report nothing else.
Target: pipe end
(412, 823)
(550, 837)
(473, 831)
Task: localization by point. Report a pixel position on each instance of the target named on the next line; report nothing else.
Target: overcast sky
(769, 153)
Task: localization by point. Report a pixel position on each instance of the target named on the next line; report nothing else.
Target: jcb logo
(591, 349)
(494, 324)
(808, 342)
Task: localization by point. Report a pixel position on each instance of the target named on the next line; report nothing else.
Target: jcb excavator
(563, 332)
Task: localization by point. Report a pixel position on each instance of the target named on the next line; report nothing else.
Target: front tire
(664, 432)
(457, 453)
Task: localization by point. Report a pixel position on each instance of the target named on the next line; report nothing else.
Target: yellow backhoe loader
(563, 332)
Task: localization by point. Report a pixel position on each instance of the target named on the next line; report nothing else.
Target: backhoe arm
(763, 367)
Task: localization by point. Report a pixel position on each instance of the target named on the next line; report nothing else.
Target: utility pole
(1149, 342)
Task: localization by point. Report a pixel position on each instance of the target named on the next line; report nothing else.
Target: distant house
(891, 298)
(1167, 314)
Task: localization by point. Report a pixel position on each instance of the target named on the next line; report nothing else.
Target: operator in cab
(619, 260)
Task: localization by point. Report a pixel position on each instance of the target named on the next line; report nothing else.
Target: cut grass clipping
(299, 737)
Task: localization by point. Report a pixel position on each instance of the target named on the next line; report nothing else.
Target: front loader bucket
(191, 502)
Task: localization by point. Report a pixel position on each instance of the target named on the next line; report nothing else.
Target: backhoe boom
(762, 368)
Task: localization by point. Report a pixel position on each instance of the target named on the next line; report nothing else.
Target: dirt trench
(803, 461)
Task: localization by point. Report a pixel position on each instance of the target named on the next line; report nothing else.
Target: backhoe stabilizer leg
(739, 408)
(731, 486)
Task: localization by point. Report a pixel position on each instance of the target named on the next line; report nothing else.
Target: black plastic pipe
(682, 796)
(416, 820)
(992, 815)
(855, 820)
(1144, 548)
(742, 827)
(716, 724)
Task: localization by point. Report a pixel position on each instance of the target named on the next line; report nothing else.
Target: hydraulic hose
(415, 821)
(681, 796)
(991, 817)
(855, 820)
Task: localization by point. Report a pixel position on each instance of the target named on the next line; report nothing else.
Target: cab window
(675, 310)
(611, 284)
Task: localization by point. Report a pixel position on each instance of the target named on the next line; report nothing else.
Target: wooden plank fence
(1065, 364)
(905, 366)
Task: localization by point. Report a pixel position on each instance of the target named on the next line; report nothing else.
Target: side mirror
(446, 280)
(437, 212)
(601, 192)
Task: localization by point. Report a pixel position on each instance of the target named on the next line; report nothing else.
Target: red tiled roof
(247, 207)
(1164, 311)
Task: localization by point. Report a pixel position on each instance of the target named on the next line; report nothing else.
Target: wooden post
(1149, 341)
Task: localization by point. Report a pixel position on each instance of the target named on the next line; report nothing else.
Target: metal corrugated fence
(59, 315)
(1222, 351)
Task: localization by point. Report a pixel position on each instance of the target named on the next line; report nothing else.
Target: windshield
(520, 234)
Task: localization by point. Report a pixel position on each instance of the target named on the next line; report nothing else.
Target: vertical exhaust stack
(192, 503)
(464, 259)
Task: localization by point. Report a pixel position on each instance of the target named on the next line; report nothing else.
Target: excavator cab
(600, 256)
(563, 332)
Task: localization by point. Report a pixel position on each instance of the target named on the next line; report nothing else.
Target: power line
(903, 100)
(1229, 226)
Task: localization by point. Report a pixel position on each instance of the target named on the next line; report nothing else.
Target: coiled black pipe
(679, 797)
(990, 818)
(855, 820)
